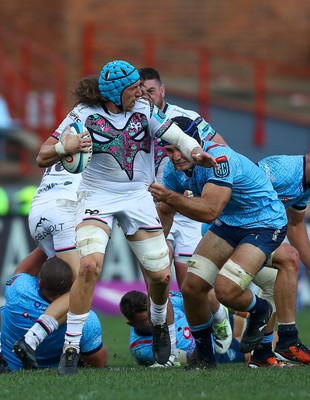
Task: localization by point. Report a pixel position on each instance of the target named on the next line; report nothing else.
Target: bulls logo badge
(223, 170)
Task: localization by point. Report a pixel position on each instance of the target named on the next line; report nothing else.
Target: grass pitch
(123, 379)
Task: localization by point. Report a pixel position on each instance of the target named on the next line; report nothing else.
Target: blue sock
(203, 339)
(258, 306)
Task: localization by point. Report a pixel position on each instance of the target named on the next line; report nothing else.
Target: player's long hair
(87, 92)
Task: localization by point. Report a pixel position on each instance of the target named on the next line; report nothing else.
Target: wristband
(60, 150)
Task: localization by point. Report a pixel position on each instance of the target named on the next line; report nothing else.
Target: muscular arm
(205, 208)
(32, 263)
(298, 236)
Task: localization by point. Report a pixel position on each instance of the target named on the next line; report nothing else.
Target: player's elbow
(96, 360)
(210, 216)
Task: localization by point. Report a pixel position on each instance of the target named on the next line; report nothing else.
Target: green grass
(124, 380)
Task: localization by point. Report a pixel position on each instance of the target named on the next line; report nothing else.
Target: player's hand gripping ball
(76, 163)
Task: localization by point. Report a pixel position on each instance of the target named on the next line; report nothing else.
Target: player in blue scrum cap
(123, 127)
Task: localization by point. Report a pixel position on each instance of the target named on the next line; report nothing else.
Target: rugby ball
(76, 163)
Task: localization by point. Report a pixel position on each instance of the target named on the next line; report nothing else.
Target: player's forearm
(47, 155)
(186, 144)
(194, 208)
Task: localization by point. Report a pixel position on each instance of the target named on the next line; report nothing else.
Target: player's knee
(187, 290)
(193, 287)
(90, 270)
(152, 253)
(161, 278)
(286, 258)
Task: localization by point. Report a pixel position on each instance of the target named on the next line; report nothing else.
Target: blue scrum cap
(114, 78)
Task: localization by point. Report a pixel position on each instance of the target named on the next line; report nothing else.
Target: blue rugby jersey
(287, 176)
(253, 203)
(24, 305)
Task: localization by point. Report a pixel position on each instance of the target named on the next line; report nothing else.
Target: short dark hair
(133, 302)
(148, 73)
(56, 276)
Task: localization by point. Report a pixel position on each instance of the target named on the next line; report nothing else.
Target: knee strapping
(203, 267)
(237, 274)
(265, 280)
(91, 239)
(152, 253)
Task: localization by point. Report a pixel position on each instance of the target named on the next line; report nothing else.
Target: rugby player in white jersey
(115, 186)
(52, 225)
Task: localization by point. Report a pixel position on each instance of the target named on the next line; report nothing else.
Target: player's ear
(163, 90)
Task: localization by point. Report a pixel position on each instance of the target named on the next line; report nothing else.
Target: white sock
(75, 324)
(220, 315)
(158, 312)
(38, 332)
(173, 340)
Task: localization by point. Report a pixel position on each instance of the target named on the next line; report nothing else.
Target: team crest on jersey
(223, 171)
(123, 144)
(161, 114)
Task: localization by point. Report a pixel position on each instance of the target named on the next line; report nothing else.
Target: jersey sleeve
(141, 348)
(91, 340)
(16, 286)
(206, 132)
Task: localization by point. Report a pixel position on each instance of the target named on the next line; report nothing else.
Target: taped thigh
(203, 267)
(91, 239)
(152, 253)
(237, 274)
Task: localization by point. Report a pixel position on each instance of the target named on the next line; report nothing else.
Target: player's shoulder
(92, 320)
(20, 283)
(143, 104)
(81, 111)
(173, 110)
(217, 148)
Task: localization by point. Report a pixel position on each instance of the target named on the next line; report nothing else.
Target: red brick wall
(271, 30)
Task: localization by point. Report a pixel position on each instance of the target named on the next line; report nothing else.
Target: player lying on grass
(133, 306)
(27, 296)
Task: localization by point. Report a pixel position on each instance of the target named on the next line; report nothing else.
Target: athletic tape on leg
(265, 280)
(152, 253)
(237, 274)
(203, 267)
(91, 239)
